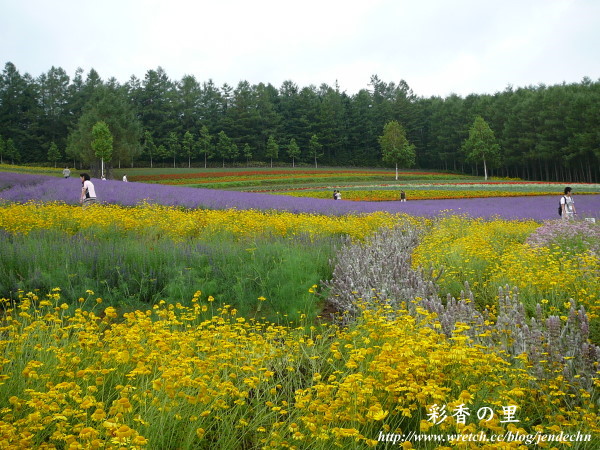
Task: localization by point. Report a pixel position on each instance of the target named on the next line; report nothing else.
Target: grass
(130, 271)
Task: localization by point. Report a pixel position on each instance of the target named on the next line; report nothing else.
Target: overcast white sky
(437, 46)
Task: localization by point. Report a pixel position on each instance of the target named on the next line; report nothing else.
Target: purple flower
(25, 187)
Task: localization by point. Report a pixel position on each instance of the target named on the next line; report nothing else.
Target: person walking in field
(125, 178)
(66, 172)
(567, 205)
(88, 192)
(402, 196)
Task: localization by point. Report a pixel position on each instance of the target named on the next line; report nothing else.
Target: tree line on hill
(537, 132)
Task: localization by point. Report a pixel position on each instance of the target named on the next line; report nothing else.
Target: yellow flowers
(178, 224)
(490, 254)
(110, 312)
(175, 375)
(216, 377)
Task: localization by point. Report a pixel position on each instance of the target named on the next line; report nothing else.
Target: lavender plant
(378, 268)
(27, 187)
(569, 235)
(10, 179)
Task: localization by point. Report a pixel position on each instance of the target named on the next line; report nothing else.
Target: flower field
(145, 323)
(249, 178)
(382, 195)
(21, 188)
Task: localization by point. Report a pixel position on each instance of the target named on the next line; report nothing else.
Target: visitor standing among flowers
(568, 205)
(88, 192)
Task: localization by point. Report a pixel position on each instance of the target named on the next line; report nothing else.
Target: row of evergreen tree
(542, 132)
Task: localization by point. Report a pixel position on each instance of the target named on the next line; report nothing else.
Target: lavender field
(25, 187)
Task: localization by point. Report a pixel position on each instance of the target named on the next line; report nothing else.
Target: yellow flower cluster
(192, 377)
(492, 254)
(466, 247)
(180, 224)
(552, 276)
(34, 170)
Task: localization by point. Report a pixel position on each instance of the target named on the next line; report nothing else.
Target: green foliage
(545, 132)
(11, 151)
(314, 148)
(226, 148)
(293, 151)
(148, 148)
(53, 153)
(102, 141)
(189, 146)
(395, 147)
(162, 152)
(272, 149)
(247, 152)
(204, 143)
(107, 104)
(173, 146)
(481, 145)
(133, 271)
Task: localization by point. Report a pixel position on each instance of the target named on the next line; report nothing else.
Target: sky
(438, 47)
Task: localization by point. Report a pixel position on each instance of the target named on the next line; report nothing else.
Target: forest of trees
(542, 132)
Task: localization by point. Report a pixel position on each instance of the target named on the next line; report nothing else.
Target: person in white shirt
(568, 205)
(88, 192)
(125, 178)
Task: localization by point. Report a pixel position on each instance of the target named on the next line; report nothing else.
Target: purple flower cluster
(11, 179)
(25, 187)
(567, 234)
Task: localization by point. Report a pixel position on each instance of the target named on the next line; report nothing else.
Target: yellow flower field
(181, 224)
(201, 377)
(489, 254)
(194, 374)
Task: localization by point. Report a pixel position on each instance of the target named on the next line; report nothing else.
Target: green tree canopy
(314, 148)
(293, 151)
(544, 132)
(247, 152)
(107, 104)
(102, 143)
(272, 149)
(173, 146)
(2, 149)
(481, 145)
(204, 141)
(395, 147)
(11, 151)
(226, 148)
(148, 147)
(189, 146)
(53, 153)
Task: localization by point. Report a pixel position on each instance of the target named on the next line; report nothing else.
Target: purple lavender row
(26, 187)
